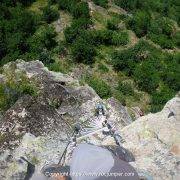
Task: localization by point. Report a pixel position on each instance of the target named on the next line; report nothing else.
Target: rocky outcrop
(39, 128)
(154, 140)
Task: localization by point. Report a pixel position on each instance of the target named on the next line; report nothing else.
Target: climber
(100, 109)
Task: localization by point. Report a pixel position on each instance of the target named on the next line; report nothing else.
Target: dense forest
(100, 39)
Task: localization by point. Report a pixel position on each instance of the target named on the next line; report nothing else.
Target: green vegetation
(168, 8)
(125, 88)
(120, 38)
(103, 68)
(161, 31)
(42, 40)
(81, 10)
(112, 24)
(103, 3)
(146, 76)
(109, 37)
(14, 88)
(83, 51)
(152, 18)
(139, 23)
(16, 26)
(101, 39)
(150, 68)
(22, 34)
(101, 87)
(77, 26)
(77, 8)
(50, 14)
(160, 97)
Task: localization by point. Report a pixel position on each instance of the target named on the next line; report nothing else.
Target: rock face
(155, 142)
(39, 128)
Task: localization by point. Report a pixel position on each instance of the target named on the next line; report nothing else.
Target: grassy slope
(100, 16)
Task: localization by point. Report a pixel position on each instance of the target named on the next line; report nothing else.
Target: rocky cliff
(39, 127)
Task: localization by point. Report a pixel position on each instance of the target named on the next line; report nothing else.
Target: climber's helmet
(100, 109)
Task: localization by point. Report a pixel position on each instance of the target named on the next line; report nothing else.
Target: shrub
(50, 14)
(17, 2)
(103, 68)
(146, 77)
(51, 2)
(102, 3)
(60, 49)
(171, 72)
(127, 59)
(3, 46)
(45, 57)
(140, 23)
(159, 98)
(44, 38)
(120, 38)
(17, 24)
(132, 5)
(162, 40)
(81, 10)
(103, 37)
(176, 39)
(66, 5)
(122, 61)
(56, 66)
(161, 31)
(162, 26)
(83, 51)
(125, 88)
(112, 24)
(128, 5)
(76, 28)
(101, 88)
(71, 33)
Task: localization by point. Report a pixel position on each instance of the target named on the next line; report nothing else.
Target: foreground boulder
(154, 140)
